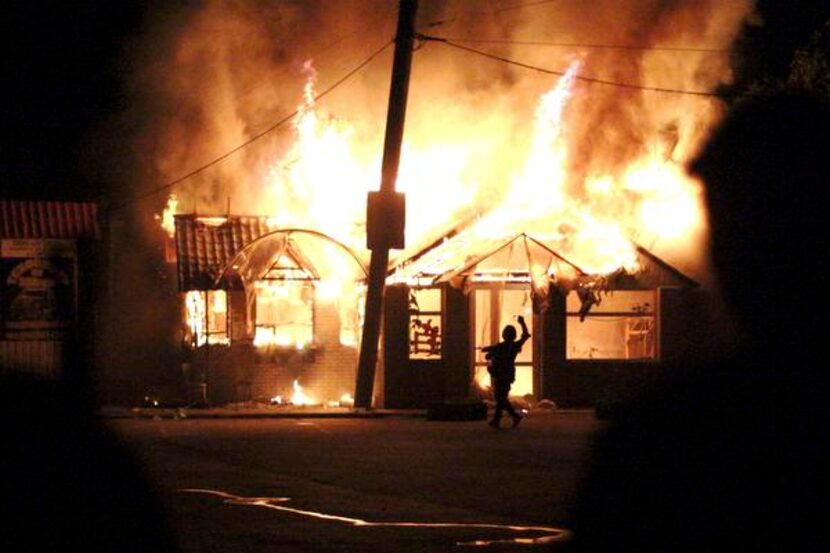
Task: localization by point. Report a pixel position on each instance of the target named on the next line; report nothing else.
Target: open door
(493, 309)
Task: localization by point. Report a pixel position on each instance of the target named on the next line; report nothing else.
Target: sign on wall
(37, 288)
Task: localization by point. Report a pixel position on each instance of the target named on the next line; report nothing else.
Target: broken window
(621, 325)
(284, 313)
(206, 317)
(425, 323)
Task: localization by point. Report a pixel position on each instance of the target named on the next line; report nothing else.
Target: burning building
(590, 331)
(263, 321)
(563, 195)
(267, 312)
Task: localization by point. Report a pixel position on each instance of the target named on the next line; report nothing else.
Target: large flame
(321, 184)
(596, 167)
(591, 168)
(322, 181)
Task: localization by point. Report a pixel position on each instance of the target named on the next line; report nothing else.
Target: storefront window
(621, 326)
(425, 323)
(284, 313)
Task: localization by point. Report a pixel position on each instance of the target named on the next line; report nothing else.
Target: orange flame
(299, 397)
(321, 183)
(166, 219)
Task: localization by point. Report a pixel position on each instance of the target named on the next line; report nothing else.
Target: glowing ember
(346, 400)
(299, 397)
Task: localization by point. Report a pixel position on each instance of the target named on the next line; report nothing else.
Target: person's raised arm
(525, 334)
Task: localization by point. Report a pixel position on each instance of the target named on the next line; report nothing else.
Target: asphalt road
(343, 484)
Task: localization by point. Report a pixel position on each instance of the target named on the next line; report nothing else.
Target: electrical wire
(525, 5)
(347, 36)
(591, 45)
(561, 73)
(489, 12)
(251, 140)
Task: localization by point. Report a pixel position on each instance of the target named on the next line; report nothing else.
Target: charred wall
(242, 372)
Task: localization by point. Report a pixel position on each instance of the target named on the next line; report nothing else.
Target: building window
(206, 314)
(621, 326)
(425, 323)
(284, 313)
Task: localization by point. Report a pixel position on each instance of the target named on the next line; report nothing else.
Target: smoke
(618, 125)
(219, 72)
(209, 76)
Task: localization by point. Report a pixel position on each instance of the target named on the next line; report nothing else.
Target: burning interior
(274, 313)
(556, 196)
(265, 312)
(464, 293)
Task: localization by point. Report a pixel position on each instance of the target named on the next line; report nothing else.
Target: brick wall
(326, 370)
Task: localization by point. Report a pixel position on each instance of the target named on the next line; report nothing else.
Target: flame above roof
(205, 245)
(522, 259)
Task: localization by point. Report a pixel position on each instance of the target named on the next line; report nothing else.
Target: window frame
(301, 284)
(411, 314)
(652, 314)
(211, 337)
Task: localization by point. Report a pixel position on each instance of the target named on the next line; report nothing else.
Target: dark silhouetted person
(501, 365)
(67, 483)
(732, 454)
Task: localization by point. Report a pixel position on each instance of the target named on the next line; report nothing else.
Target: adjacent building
(49, 281)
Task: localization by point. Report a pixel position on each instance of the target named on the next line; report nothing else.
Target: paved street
(345, 484)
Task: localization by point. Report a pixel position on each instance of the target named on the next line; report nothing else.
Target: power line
(525, 5)
(490, 12)
(251, 140)
(561, 73)
(590, 45)
(324, 49)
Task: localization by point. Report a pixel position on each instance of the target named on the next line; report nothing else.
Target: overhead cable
(253, 139)
(562, 73)
(440, 22)
(355, 32)
(590, 45)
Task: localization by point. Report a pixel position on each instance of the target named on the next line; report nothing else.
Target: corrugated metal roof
(41, 219)
(205, 245)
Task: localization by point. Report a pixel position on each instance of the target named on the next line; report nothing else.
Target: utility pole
(385, 209)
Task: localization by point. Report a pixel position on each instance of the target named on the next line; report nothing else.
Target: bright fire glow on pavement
(549, 534)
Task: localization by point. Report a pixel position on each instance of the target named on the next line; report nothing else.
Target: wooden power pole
(385, 209)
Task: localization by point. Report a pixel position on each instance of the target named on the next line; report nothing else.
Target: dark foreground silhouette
(732, 455)
(67, 484)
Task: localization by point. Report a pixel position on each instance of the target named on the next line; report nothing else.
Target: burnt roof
(446, 259)
(22, 219)
(205, 245)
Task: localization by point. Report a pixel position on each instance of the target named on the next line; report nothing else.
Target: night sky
(65, 66)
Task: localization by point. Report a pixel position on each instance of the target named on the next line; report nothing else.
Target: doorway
(493, 309)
